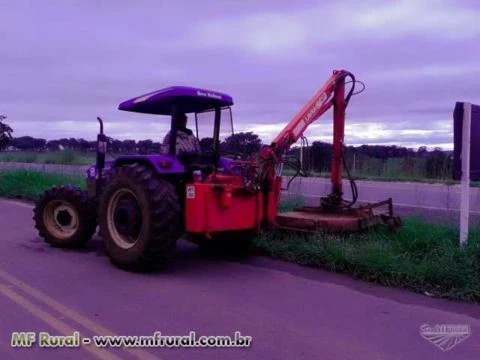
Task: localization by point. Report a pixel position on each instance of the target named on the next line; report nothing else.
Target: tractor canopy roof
(188, 99)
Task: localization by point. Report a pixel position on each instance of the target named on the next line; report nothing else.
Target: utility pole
(465, 182)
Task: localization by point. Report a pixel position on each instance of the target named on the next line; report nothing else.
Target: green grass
(29, 185)
(54, 157)
(290, 205)
(421, 257)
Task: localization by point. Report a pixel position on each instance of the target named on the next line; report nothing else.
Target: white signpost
(465, 181)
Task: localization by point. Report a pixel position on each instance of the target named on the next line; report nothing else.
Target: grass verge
(29, 185)
(65, 157)
(290, 204)
(422, 257)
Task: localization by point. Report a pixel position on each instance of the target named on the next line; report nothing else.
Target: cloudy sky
(65, 62)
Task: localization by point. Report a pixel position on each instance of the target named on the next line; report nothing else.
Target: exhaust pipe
(100, 159)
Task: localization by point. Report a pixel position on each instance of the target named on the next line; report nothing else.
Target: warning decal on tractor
(190, 192)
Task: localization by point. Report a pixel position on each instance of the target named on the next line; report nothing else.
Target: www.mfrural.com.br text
(157, 339)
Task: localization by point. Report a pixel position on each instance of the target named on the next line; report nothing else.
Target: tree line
(316, 157)
(241, 143)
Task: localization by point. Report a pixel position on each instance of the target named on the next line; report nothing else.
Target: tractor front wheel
(65, 217)
(139, 218)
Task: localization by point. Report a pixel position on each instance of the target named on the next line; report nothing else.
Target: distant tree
(129, 146)
(243, 144)
(438, 164)
(206, 144)
(39, 144)
(422, 151)
(115, 146)
(146, 146)
(92, 145)
(82, 145)
(28, 143)
(320, 155)
(53, 145)
(73, 144)
(156, 147)
(5, 133)
(384, 152)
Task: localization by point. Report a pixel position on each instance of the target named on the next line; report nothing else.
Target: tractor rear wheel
(65, 217)
(139, 218)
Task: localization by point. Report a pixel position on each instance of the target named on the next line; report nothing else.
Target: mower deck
(316, 219)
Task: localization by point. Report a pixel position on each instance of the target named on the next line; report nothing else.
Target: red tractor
(144, 203)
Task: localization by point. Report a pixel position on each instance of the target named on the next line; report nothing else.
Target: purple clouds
(66, 62)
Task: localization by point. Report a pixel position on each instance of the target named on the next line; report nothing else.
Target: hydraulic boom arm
(331, 94)
(316, 107)
(334, 213)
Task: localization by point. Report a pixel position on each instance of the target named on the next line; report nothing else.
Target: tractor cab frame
(177, 100)
(178, 168)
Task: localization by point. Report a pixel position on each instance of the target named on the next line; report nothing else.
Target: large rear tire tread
(84, 206)
(161, 218)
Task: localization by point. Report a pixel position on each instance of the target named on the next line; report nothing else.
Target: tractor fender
(161, 164)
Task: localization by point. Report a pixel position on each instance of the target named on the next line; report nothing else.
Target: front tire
(139, 218)
(65, 217)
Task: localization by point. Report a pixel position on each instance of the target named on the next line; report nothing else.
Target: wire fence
(433, 168)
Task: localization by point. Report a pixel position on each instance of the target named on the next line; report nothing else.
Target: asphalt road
(290, 312)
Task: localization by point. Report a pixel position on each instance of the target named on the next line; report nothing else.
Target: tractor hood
(188, 99)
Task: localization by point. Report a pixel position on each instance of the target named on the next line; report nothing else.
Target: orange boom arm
(316, 107)
(332, 93)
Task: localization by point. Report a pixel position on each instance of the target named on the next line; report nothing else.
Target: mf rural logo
(445, 336)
